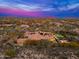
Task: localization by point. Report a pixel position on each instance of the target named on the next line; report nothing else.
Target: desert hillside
(39, 38)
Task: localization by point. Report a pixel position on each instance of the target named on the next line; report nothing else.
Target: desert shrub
(71, 44)
(53, 45)
(60, 36)
(65, 44)
(77, 53)
(38, 43)
(63, 57)
(30, 42)
(10, 52)
(44, 43)
(74, 44)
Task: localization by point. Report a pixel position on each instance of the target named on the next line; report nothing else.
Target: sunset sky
(40, 8)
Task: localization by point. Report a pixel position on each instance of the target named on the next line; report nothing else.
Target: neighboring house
(36, 36)
(25, 26)
(58, 24)
(8, 25)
